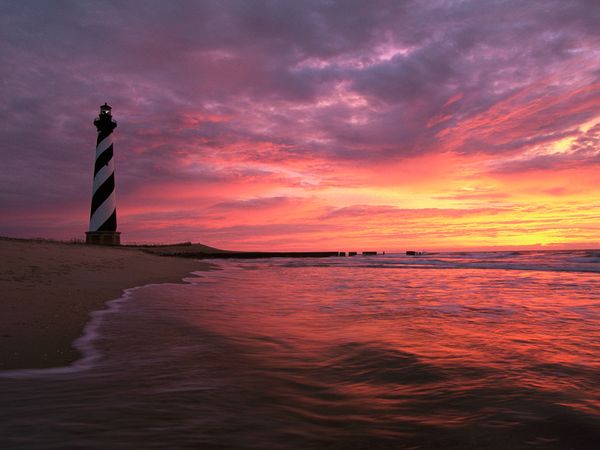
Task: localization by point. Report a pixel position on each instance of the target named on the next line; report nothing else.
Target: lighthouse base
(103, 237)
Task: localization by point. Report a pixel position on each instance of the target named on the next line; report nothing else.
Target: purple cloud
(208, 92)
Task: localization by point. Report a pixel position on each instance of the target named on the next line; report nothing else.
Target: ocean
(497, 350)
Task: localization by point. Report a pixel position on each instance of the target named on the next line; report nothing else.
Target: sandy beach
(50, 288)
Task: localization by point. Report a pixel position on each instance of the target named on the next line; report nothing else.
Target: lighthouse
(103, 213)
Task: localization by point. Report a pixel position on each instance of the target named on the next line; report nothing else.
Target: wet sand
(48, 290)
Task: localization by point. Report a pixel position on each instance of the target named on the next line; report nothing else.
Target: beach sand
(48, 289)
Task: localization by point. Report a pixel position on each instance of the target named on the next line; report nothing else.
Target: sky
(307, 125)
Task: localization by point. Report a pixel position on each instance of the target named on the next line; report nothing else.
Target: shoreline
(50, 289)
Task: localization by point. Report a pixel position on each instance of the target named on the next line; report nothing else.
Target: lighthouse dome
(105, 109)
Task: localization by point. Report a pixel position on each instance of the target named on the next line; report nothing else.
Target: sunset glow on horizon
(280, 125)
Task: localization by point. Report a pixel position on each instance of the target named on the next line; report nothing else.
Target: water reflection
(264, 356)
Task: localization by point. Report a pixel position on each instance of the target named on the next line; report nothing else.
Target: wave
(586, 261)
(84, 343)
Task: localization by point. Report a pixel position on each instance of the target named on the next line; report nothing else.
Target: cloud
(253, 204)
(360, 212)
(584, 151)
(223, 101)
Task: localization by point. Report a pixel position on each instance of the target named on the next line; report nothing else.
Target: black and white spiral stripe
(103, 215)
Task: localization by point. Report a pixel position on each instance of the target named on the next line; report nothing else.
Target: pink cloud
(287, 123)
